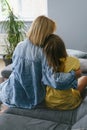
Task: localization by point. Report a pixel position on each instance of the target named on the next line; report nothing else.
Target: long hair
(54, 50)
(41, 28)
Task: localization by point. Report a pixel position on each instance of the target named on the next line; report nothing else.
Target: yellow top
(64, 99)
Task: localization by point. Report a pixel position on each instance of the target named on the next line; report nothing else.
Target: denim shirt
(26, 85)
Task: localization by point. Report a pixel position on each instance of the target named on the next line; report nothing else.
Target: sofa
(42, 118)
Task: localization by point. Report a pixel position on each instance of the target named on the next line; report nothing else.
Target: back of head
(54, 50)
(41, 28)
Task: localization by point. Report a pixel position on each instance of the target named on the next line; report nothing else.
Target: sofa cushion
(82, 110)
(77, 53)
(82, 58)
(83, 65)
(16, 122)
(44, 119)
(7, 71)
(59, 116)
(81, 124)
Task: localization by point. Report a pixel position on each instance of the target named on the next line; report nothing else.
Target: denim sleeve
(60, 81)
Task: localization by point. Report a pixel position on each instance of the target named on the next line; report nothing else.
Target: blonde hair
(41, 28)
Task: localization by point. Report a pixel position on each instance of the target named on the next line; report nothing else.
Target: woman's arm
(58, 80)
(78, 73)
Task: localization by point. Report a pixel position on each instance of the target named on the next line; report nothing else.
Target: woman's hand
(78, 73)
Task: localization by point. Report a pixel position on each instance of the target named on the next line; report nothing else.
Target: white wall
(71, 20)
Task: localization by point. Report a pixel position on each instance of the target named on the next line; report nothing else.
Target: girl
(60, 62)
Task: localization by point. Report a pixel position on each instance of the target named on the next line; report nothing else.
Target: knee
(84, 77)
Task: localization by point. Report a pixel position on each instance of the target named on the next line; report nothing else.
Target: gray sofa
(43, 118)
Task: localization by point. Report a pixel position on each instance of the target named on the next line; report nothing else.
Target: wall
(71, 20)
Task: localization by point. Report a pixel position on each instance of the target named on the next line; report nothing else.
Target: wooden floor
(2, 65)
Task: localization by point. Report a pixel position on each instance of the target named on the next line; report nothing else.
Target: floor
(2, 65)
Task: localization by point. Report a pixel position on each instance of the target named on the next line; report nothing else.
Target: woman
(24, 88)
(58, 59)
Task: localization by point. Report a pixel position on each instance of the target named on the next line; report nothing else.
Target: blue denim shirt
(25, 87)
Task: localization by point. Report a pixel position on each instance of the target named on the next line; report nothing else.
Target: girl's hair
(54, 49)
(41, 28)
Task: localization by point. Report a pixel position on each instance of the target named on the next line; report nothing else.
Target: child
(60, 62)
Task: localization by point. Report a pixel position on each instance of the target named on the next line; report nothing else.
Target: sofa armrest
(6, 71)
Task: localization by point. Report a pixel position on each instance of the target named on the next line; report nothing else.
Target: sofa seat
(16, 122)
(44, 119)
